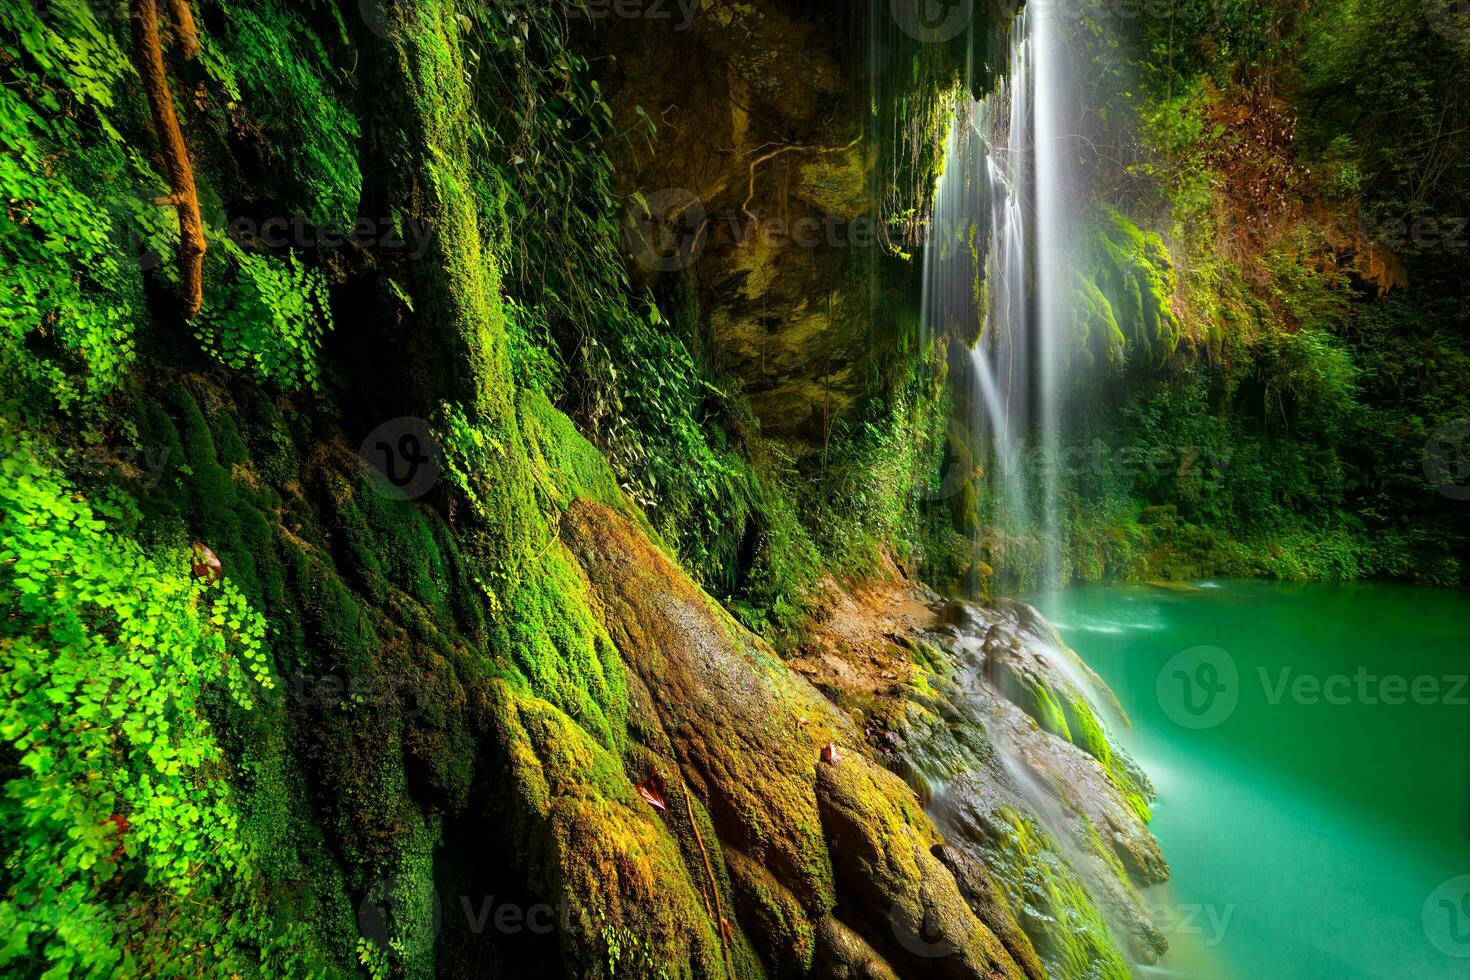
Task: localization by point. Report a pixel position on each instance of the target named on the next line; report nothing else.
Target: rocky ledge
(922, 791)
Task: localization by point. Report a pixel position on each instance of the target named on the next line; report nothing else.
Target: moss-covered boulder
(715, 711)
(1123, 295)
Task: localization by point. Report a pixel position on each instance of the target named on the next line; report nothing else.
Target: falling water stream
(1000, 258)
(1305, 842)
(997, 269)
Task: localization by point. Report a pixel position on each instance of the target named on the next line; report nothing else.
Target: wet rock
(716, 706)
(1085, 840)
(961, 615)
(843, 955)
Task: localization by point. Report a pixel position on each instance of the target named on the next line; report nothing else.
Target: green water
(1315, 829)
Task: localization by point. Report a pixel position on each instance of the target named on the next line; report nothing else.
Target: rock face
(778, 154)
(758, 137)
(829, 864)
(1005, 734)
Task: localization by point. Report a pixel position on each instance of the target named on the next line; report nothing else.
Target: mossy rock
(607, 857)
(747, 736)
(1123, 295)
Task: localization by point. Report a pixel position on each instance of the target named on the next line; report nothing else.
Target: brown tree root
(718, 915)
(148, 59)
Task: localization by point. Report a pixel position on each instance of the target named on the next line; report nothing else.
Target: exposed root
(719, 913)
(148, 59)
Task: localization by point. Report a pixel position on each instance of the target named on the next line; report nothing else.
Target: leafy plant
(112, 659)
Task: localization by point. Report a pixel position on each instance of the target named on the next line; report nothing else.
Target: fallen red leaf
(121, 827)
(652, 790)
(206, 565)
(830, 755)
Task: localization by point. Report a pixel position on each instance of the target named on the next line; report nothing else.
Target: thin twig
(714, 888)
(750, 189)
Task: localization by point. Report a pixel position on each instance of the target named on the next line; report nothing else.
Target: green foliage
(264, 314)
(1292, 150)
(278, 77)
(79, 180)
(111, 660)
(70, 288)
(1125, 307)
(1051, 903)
(1381, 85)
(754, 525)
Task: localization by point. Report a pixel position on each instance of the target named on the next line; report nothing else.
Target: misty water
(1310, 745)
(1311, 750)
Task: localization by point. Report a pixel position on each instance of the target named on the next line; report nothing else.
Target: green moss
(1052, 904)
(1124, 300)
(563, 653)
(1066, 713)
(591, 841)
(567, 465)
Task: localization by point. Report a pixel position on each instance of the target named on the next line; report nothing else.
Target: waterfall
(998, 274)
(999, 264)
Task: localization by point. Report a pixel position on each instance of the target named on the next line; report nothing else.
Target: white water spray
(1000, 260)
